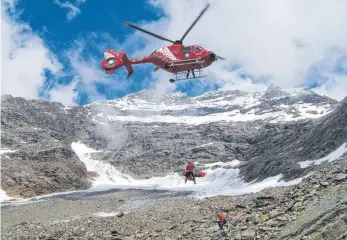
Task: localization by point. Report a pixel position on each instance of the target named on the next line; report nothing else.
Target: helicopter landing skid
(193, 72)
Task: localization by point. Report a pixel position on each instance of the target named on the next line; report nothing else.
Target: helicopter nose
(212, 55)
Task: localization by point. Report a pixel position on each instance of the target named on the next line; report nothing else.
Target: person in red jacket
(222, 218)
(189, 170)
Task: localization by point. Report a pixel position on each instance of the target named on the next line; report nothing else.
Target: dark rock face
(42, 132)
(308, 140)
(29, 174)
(155, 151)
(44, 162)
(330, 131)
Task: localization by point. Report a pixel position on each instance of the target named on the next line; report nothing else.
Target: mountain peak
(274, 91)
(273, 87)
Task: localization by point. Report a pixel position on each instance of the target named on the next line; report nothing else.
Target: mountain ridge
(155, 148)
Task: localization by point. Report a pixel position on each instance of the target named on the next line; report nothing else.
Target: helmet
(218, 210)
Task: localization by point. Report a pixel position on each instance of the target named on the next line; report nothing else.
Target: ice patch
(232, 116)
(218, 181)
(61, 221)
(107, 173)
(65, 109)
(3, 151)
(105, 214)
(206, 144)
(231, 164)
(282, 115)
(3, 196)
(329, 158)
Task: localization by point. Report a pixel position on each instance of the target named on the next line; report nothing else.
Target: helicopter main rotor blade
(148, 32)
(196, 20)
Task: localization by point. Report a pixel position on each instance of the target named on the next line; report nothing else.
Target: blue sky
(48, 20)
(289, 45)
(95, 19)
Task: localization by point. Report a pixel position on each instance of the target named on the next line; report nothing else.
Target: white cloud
(232, 80)
(72, 10)
(24, 60)
(65, 94)
(24, 57)
(280, 40)
(90, 73)
(85, 68)
(335, 86)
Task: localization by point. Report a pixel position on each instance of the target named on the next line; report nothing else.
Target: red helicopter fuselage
(174, 59)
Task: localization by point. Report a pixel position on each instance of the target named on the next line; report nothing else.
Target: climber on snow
(221, 217)
(190, 167)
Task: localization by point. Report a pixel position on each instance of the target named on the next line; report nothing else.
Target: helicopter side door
(176, 50)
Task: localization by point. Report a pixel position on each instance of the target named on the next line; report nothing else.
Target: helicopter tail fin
(113, 61)
(127, 64)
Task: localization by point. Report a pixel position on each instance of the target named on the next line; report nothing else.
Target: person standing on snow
(221, 217)
(190, 167)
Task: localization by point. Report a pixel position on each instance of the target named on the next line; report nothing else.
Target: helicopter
(178, 59)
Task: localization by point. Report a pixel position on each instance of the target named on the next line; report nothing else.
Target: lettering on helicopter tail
(127, 64)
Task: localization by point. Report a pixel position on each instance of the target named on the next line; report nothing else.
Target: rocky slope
(314, 209)
(42, 160)
(146, 134)
(312, 141)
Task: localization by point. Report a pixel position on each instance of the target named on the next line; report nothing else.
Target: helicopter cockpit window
(197, 49)
(186, 50)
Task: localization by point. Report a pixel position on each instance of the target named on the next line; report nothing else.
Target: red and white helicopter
(176, 59)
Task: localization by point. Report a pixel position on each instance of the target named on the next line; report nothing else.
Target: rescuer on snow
(190, 167)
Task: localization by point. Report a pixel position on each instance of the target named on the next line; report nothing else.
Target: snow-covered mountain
(274, 105)
(147, 135)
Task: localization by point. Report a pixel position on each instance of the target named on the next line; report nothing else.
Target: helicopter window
(197, 49)
(186, 50)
